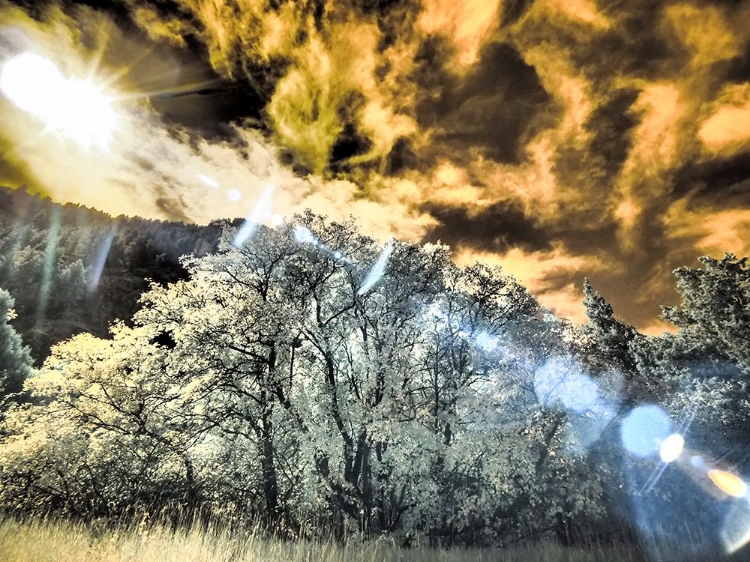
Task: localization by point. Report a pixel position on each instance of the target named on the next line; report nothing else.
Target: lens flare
(728, 483)
(78, 109)
(303, 235)
(486, 342)
(247, 231)
(208, 180)
(671, 448)
(558, 382)
(645, 429)
(377, 270)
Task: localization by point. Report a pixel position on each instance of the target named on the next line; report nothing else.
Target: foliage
(716, 306)
(269, 382)
(71, 269)
(317, 381)
(15, 361)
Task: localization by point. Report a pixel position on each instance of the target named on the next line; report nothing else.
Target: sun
(77, 109)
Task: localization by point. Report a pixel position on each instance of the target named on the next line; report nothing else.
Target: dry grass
(46, 541)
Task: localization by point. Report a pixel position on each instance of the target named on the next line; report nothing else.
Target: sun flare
(77, 109)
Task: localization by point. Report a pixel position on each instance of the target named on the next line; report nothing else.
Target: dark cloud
(210, 110)
(492, 109)
(566, 131)
(638, 45)
(349, 143)
(11, 173)
(497, 228)
(432, 77)
(513, 10)
(581, 239)
(610, 126)
(401, 158)
(716, 184)
(173, 207)
(738, 68)
(394, 18)
(598, 162)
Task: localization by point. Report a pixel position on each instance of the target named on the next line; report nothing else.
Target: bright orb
(728, 483)
(557, 382)
(486, 342)
(234, 194)
(303, 235)
(76, 108)
(645, 429)
(671, 448)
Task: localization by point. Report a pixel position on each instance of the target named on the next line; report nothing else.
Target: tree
(704, 369)
(104, 434)
(15, 360)
(310, 374)
(716, 306)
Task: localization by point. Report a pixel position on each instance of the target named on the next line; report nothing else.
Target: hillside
(73, 269)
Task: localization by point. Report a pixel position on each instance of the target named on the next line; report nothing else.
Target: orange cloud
(584, 11)
(466, 23)
(705, 31)
(727, 128)
(712, 232)
(534, 271)
(155, 171)
(658, 328)
(655, 150)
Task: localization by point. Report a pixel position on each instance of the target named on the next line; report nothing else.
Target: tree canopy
(319, 380)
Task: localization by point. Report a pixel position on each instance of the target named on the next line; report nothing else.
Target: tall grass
(61, 541)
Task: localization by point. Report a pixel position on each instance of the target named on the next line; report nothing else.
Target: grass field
(47, 541)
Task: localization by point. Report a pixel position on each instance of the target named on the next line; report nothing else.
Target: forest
(321, 382)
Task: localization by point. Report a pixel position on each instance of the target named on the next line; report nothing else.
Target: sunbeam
(72, 107)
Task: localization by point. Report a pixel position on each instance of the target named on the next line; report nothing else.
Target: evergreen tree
(716, 306)
(15, 360)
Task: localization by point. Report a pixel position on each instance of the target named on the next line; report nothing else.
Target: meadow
(65, 541)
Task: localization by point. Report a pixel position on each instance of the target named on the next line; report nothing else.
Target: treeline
(72, 269)
(322, 382)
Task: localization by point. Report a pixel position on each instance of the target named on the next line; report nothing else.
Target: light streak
(378, 269)
(95, 273)
(50, 258)
(209, 181)
(253, 219)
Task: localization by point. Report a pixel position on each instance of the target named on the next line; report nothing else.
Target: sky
(561, 139)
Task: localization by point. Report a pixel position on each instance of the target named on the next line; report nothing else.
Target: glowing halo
(671, 448)
(78, 109)
(728, 483)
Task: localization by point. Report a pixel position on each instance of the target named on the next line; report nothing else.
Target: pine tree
(15, 360)
(715, 306)
(612, 337)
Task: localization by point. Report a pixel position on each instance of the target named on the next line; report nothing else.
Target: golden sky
(559, 138)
